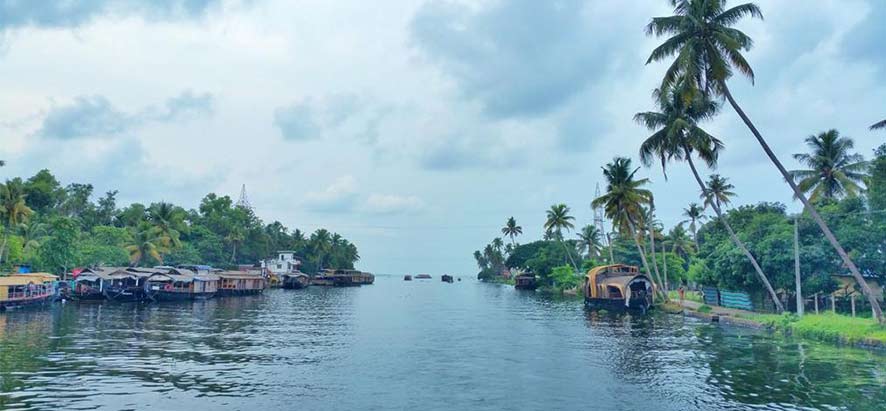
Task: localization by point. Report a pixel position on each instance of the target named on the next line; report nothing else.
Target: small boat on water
(617, 287)
(446, 278)
(295, 281)
(423, 277)
(407, 277)
(526, 281)
(342, 278)
(17, 290)
(128, 284)
(89, 284)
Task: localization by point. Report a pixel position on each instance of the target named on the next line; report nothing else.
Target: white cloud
(392, 204)
(340, 196)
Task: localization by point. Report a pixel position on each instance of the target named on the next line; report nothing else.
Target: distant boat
(525, 281)
(296, 281)
(25, 289)
(423, 277)
(617, 287)
(407, 277)
(446, 278)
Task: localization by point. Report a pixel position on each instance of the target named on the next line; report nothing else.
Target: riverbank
(828, 327)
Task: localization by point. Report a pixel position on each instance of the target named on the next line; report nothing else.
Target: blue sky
(413, 127)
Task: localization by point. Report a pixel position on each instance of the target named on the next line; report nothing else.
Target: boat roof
(25, 279)
(238, 275)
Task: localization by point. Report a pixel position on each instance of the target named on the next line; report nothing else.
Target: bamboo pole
(833, 304)
(797, 266)
(852, 303)
(816, 303)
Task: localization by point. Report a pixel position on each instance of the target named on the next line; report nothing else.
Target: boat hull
(25, 302)
(174, 296)
(637, 305)
(234, 292)
(126, 295)
(88, 297)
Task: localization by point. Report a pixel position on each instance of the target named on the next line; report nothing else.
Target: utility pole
(797, 265)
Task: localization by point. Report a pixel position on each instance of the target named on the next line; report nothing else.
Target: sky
(414, 128)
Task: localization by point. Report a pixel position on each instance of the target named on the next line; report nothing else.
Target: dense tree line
(55, 228)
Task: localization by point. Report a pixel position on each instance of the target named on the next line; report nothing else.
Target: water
(412, 345)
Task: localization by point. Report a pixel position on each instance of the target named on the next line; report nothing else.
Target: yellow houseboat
(617, 287)
(25, 289)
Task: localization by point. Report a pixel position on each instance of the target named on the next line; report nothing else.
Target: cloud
(392, 204)
(340, 196)
(87, 116)
(69, 14)
(516, 58)
(96, 116)
(310, 119)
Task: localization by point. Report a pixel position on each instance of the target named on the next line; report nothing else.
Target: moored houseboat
(446, 278)
(128, 285)
(26, 289)
(241, 283)
(407, 277)
(295, 281)
(617, 287)
(423, 277)
(525, 281)
(89, 283)
(177, 284)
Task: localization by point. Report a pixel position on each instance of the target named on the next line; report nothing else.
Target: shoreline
(776, 324)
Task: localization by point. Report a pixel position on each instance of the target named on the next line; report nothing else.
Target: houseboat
(617, 287)
(275, 269)
(342, 278)
(407, 277)
(89, 283)
(178, 284)
(423, 277)
(128, 285)
(241, 283)
(26, 289)
(295, 281)
(525, 281)
(446, 278)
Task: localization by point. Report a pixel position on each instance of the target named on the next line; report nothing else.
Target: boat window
(613, 291)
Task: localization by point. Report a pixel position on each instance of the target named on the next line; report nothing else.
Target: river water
(420, 345)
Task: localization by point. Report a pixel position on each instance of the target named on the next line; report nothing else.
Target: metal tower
(598, 212)
(244, 200)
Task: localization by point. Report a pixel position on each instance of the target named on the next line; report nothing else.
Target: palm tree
(875, 126)
(694, 214)
(169, 221)
(33, 234)
(558, 220)
(677, 136)
(321, 243)
(650, 225)
(147, 240)
(497, 244)
(13, 208)
(679, 242)
(719, 192)
(833, 171)
(708, 49)
(235, 237)
(590, 239)
(512, 230)
(623, 204)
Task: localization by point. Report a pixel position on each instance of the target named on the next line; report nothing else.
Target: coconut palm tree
(677, 136)
(623, 204)
(679, 242)
(146, 241)
(719, 192)
(833, 171)
(558, 220)
(708, 49)
(13, 208)
(32, 234)
(694, 214)
(235, 237)
(512, 230)
(652, 228)
(591, 240)
(875, 126)
(169, 221)
(497, 244)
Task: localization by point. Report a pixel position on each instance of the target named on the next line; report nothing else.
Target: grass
(704, 308)
(826, 327)
(689, 296)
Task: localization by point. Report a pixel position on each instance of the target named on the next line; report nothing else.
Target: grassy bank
(827, 327)
(688, 295)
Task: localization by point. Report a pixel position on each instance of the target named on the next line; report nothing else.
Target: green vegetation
(56, 228)
(826, 327)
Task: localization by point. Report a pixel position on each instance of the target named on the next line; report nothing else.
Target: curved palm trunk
(664, 265)
(651, 232)
(694, 234)
(866, 290)
(643, 258)
(609, 243)
(736, 240)
(568, 254)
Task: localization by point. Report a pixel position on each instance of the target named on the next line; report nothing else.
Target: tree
(169, 221)
(235, 238)
(832, 170)
(43, 191)
(59, 252)
(146, 241)
(512, 230)
(558, 219)
(708, 49)
(694, 214)
(719, 191)
(623, 204)
(677, 136)
(590, 239)
(679, 242)
(12, 208)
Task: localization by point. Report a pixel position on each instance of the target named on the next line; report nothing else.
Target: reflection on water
(419, 345)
